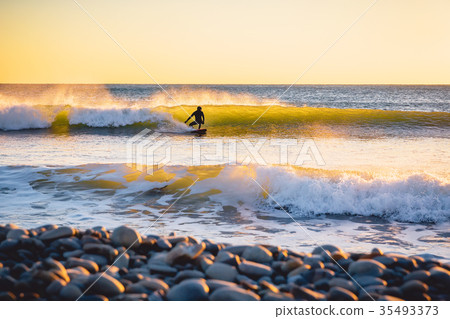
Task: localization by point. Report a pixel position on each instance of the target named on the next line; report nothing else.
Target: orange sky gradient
(225, 42)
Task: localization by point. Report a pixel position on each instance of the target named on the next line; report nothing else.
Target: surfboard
(200, 131)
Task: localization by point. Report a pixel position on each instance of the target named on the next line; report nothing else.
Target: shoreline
(64, 263)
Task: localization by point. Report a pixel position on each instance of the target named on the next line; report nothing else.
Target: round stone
(221, 271)
(254, 270)
(163, 244)
(122, 261)
(126, 236)
(291, 264)
(99, 260)
(188, 274)
(215, 284)
(277, 296)
(158, 268)
(343, 283)
(376, 252)
(341, 294)
(57, 233)
(70, 292)
(183, 253)
(99, 249)
(366, 268)
(189, 290)
(322, 274)
(365, 281)
(439, 277)
(421, 275)
(257, 254)
(104, 285)
(303, 293)
(55, 287)
(331, 248)
(386, 260)
(17, 234)
(233, 294)
(91, 266)
(223, 255)
(413, 287)
(154, 284)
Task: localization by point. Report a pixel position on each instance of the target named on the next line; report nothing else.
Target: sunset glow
(261, 42)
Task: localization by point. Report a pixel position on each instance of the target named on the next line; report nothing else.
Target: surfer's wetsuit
(199, 119)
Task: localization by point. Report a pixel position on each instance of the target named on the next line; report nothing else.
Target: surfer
(199, 118)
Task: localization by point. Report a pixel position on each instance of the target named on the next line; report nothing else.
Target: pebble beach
(64, 263)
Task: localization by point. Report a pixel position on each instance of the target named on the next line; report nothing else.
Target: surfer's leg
(199, 125)
(193, 123)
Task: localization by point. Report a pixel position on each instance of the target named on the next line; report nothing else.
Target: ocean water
(374, 171)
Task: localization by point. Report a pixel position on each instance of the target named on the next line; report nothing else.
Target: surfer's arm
(189, 117)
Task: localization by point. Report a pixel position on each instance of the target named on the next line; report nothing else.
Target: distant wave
(19, 117)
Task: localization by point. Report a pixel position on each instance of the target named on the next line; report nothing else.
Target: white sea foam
(417, 198)
(19, 117)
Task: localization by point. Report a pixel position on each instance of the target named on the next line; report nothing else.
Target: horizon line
(266, 84)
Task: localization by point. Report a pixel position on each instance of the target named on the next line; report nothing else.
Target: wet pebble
(254, 270)
(189, 290)
(221, 271)
(105, 285)
(341, 294)
(89, 265)
(57, 233)
(126, 236)
(257, 254)
(367, 268)
(184, 253)
(233, 294)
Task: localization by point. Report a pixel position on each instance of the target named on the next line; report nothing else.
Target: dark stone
(188, 274)
(322, 274)
(104, 285)
(163, 244)
(254, 270)
(126, 236)
(99, 260)
(257, 254)
(189, 290)
(183, 253)
(93, 298)
(233, 294)
(157, 268)
(70, 292)
(280, 296)
(421, 275)
(367, 268)
(341, 294)
(214, 284)
(89, 265)
(303, 293)
(221, 271)
(18, 269)
(7, 296)
(440, 277)
(99, 249)
(57, 233)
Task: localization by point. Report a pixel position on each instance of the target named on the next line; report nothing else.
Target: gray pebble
(221, 271)
(189, 290)
(233, 294)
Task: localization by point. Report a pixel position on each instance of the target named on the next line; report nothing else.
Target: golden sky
(233, 41)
